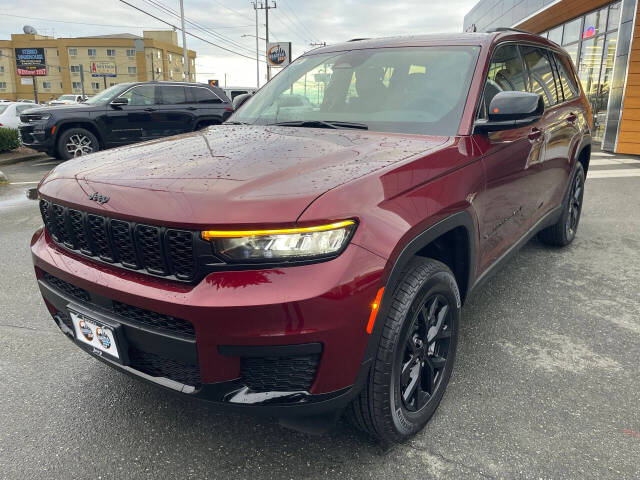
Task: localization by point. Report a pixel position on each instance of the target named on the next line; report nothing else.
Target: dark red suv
(314, 252)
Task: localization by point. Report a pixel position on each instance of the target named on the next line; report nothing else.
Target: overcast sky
(300, 22)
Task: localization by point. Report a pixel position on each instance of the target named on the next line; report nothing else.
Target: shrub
(9, 139)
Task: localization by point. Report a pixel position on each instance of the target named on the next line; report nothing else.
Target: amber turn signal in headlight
(316, 241)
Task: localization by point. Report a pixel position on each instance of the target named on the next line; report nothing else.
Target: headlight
(39, 116)
(299, 243)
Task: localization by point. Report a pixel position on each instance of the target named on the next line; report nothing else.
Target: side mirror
(119, 102)
(237, 102)
(509, 110)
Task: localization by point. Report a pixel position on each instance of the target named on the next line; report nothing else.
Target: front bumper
(37, 135)
(250, 329)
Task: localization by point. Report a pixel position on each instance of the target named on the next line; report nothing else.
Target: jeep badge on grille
(98, 197)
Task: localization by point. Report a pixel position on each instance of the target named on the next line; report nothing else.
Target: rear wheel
(76, 142)
(564, 230)
(415, 357)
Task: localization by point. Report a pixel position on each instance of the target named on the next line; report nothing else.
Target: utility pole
(255, 7)
(185, 58)
(153, 69)
(82, 80)
(266, 7)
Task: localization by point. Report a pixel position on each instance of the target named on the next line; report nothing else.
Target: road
(546, 383)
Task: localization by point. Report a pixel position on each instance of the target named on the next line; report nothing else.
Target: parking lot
(546, 383)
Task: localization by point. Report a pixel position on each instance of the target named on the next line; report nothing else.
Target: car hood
(75, 107)
(228, 174)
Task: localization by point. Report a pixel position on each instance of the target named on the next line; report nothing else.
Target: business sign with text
(278, 54)
(30, 61)
(103, 69)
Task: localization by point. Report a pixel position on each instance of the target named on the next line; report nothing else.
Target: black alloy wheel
(426, 348)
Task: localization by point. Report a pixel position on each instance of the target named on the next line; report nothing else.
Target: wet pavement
(546, 383)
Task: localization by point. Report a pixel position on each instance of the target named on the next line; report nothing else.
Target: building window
(73, 52)
(74, 68)
(57, 53)
(92, 52)
(76, 85)
(131, 52)
(46, 84)
(60, 85)
(95, 85)
(1, 68)
(3, 85)
(170, 74)
(111, 52)
(132, 70)
(159, 54)
(112, 84)
(0, 53)
(170, 57)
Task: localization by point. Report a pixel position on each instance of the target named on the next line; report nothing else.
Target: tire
(426, 298)
(564, 230)
(76, 142)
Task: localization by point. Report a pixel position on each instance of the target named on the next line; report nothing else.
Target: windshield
(67, 97)
(3, 108)
(107, 95)
(408, 90)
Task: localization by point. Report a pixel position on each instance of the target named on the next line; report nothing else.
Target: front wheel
(76, 142)
(415, 356)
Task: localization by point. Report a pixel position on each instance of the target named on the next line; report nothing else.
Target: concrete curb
(33, 156)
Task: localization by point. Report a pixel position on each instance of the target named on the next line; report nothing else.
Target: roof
(116, 35)
(470, 38)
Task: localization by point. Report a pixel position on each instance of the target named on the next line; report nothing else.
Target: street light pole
(255, 7)
(185, 58)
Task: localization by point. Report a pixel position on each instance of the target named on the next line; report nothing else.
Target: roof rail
(506, 29)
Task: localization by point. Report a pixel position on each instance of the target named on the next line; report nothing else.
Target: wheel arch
(87, 125)
(583, 153)
(457, 231)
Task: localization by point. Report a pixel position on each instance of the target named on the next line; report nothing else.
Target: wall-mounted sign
(214, 83)
(30, 61)
(26, 81)
(589, 32)
(103, 69)
(279, 54)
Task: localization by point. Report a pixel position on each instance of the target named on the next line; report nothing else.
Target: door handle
(535, 134)
(572, 117)
(191, 108)
(149, 109)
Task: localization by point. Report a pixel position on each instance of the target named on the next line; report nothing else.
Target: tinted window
(566, 77)
(141, 95)
(172, 95)
(541, 79)
(203, 95)
(235, 93)
(505, 74)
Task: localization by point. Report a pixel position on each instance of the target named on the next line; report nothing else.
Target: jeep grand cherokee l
(303, 262)
(121, 114)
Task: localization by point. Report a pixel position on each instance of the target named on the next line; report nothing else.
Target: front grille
(158, 366)
(135, 315)
(149, 249)
(280, 374)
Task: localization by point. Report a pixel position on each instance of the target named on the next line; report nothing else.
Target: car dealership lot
(546, 384)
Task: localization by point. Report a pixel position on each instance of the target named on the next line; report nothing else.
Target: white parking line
(601, 154)
(23, 183)
(619, 173)
(52, 162)
(614, 161)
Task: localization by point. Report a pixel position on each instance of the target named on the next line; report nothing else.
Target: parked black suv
(124, 113)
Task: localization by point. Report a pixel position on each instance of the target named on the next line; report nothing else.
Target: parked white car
(10, 113)
(233, 92)
(67, 100)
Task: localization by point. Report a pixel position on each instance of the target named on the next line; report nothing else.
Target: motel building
(603, 39)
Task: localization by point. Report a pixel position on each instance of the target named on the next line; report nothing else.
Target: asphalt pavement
(546, 383)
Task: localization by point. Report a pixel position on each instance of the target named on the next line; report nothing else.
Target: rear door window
(173, 95)
(203, 95)
(541, 77)
(505, 74)
(567, 79)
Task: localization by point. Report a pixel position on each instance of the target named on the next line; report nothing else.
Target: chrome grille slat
(145, 248)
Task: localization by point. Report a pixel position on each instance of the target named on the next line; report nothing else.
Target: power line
(218, 36)
(293, 12)
(188, 33)
(105, 24)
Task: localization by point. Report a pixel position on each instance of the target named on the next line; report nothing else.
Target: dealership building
(603, 39)
(154, 56)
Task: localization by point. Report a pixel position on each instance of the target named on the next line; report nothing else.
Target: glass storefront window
(601, 97)
(589, 67)
(594, 23)
(614, 16)
(572, 50)
(572, 31)
(555, 35)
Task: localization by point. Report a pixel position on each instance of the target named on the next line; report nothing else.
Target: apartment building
(154, 56)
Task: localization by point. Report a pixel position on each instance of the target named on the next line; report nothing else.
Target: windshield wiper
(323, 124)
